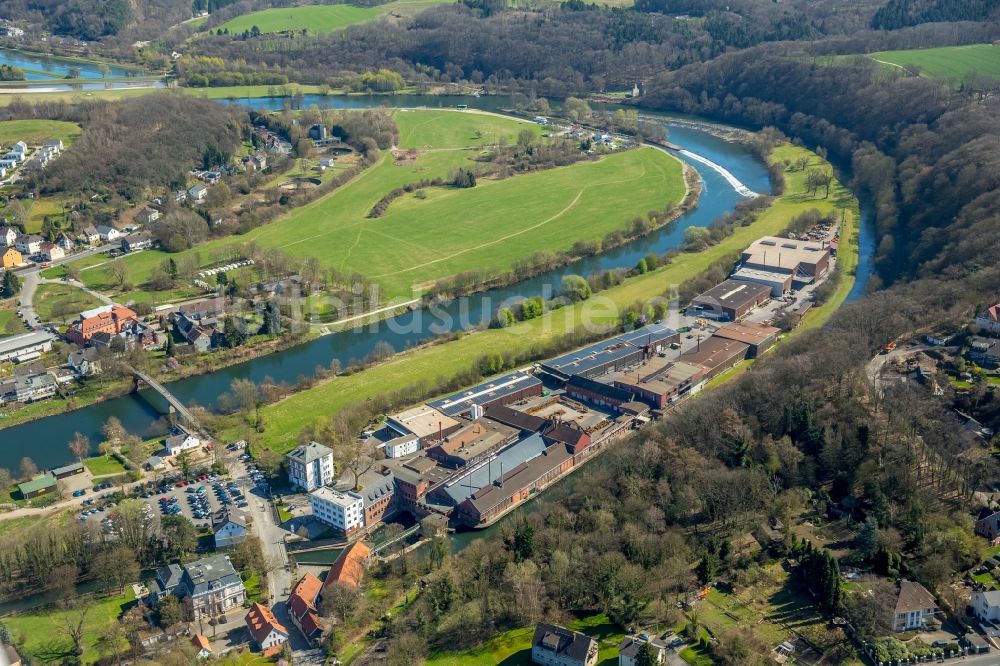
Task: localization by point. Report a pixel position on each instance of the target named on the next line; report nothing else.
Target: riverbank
(406, 372)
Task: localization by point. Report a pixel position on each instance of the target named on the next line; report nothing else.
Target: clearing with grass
(62, 302)
(323, 18)
(34, 132)
(444, 231)
(951, 62)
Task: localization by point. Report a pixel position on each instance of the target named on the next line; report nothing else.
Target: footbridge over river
(176, 405)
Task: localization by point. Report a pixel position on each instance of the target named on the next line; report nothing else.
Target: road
(279, 581)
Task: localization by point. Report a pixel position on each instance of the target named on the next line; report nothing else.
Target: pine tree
(11, 285)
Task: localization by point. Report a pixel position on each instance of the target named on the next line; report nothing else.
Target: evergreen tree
(645, 656)
(11, 285)
(232, 335)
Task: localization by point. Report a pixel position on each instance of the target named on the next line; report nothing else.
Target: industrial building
(716, 355)
(661, 382)
(758, 336)
(779, 263)
(424, 421)
(472, 443)
(502, 390)
(611, 355)
(731, 300)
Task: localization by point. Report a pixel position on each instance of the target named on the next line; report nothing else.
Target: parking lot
(196, 500)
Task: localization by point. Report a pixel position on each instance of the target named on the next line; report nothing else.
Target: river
(41, 67)
(46, 440)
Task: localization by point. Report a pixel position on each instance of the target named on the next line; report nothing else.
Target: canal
(46, 440)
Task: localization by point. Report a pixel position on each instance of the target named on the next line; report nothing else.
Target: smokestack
(440, 432)
(501, 474)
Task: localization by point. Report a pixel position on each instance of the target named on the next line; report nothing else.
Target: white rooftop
(336, 497)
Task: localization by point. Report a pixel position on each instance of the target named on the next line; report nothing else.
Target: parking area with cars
(196, 499)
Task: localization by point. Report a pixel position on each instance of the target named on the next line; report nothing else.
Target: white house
(628, 650)
(403, 445)
(182, 442)
(17, 152)
(230, 527)
(197, 192)
(108, 234)
(310, 466)
(29, 244)
(8, 235)
(264, 628)
(90, 235)
(342, 511)
(989, 320)
(52, 252)
(986, 605)
(914, 606)
(65, 242)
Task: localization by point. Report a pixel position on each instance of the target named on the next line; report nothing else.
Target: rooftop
(471, 441)
(488, 391)
(210, 573)
(751, 334)
(607, 351)
(336, 497)
(913, 596)
(310, 452)
(783, 253)
(485, 473)
(40, 482)
(562, 641)
(349, 568)
(21, 341)
(519, 477)
(423, 421)
(713, 352)
(733, 294)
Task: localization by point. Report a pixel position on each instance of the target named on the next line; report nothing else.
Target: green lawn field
(34, 132)
(62, 302)
(950, 62)
(45, 641)
(286, 419)
(104, 466)
(323, 18)
(418, 241)
(9, 322)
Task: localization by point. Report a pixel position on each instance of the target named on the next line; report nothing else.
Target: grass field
(9, 323)
(418, 241)
(40, 207)
(104, 466)
(62, 302)
(323, 18)
(45, 641)
(287, 418)
(34, 132)
(950, 62)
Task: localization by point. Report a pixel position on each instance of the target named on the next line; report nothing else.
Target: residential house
(11, 258)
(8, 235)
(7, 164)
(41, 484)
(107, 233)
(985, 351)
(111, 319)
(302, 608)
(200, 333)
(210, 587)
(31, 382)
(986, 605)
(310, 466)
(51, 252)
(140, 241)
(147, 216)
(182, 442)
(197, 192)
(989, 320)
(988, 524)
(349, 568)
(342, 511)
(85, 362)
(55, 145)
(628, 649)
(29, 244)
(17, 152)
(90, 235)
(914, 606)
(155, 464)
(202, 645)
(64, 241)
(553, 645)
(230, 527)
(266, 631)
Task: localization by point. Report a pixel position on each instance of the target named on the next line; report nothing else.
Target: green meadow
(323, 18)
(34, 132)
(420, 240)
(949, 62)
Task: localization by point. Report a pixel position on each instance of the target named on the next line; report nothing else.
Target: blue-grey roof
(485, 474)
(486, 392)
(608, 351)
(210, 573)
(375, 492)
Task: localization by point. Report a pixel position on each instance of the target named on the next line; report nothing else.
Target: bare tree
(73, 625)
(79, 446)
(117, 270)
(28, 468)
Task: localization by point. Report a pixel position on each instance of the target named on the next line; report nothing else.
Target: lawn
(420, 240)
(40, 207)
(9, 322)
(46, 642)
(949, 62)
(104, 466)
(34, 132)
(62, 302)
(323, 18)
(94, 274)
(287, 418)
(513, 648)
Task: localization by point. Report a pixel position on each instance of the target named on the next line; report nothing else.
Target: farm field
(62, 302)
(323, 18)
(418, 241)
(949, 62)
(288, 417)
(35, 132)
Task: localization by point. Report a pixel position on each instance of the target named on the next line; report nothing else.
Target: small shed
(39, 485)
(68, 470)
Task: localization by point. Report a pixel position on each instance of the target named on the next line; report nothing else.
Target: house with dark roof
(230, 526)
(914, 606)
(302, 608)
(988, 524)
(553, 645)
(209, 587)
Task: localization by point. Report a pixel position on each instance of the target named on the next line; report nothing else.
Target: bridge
(175, 404)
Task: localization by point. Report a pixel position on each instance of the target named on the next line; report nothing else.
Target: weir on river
(48, 437)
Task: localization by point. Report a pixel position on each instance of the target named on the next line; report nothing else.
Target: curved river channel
(45, 440)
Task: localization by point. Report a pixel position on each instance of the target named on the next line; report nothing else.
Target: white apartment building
(310, 466)
(342, 511)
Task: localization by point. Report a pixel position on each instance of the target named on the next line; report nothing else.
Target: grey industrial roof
(608, 351)
(733, 293)
(488, 391)
(485, 473)
(22, 341)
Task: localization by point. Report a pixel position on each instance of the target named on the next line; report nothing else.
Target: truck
(889, 347)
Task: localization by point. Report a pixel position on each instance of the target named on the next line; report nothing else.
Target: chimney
(440, 432)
